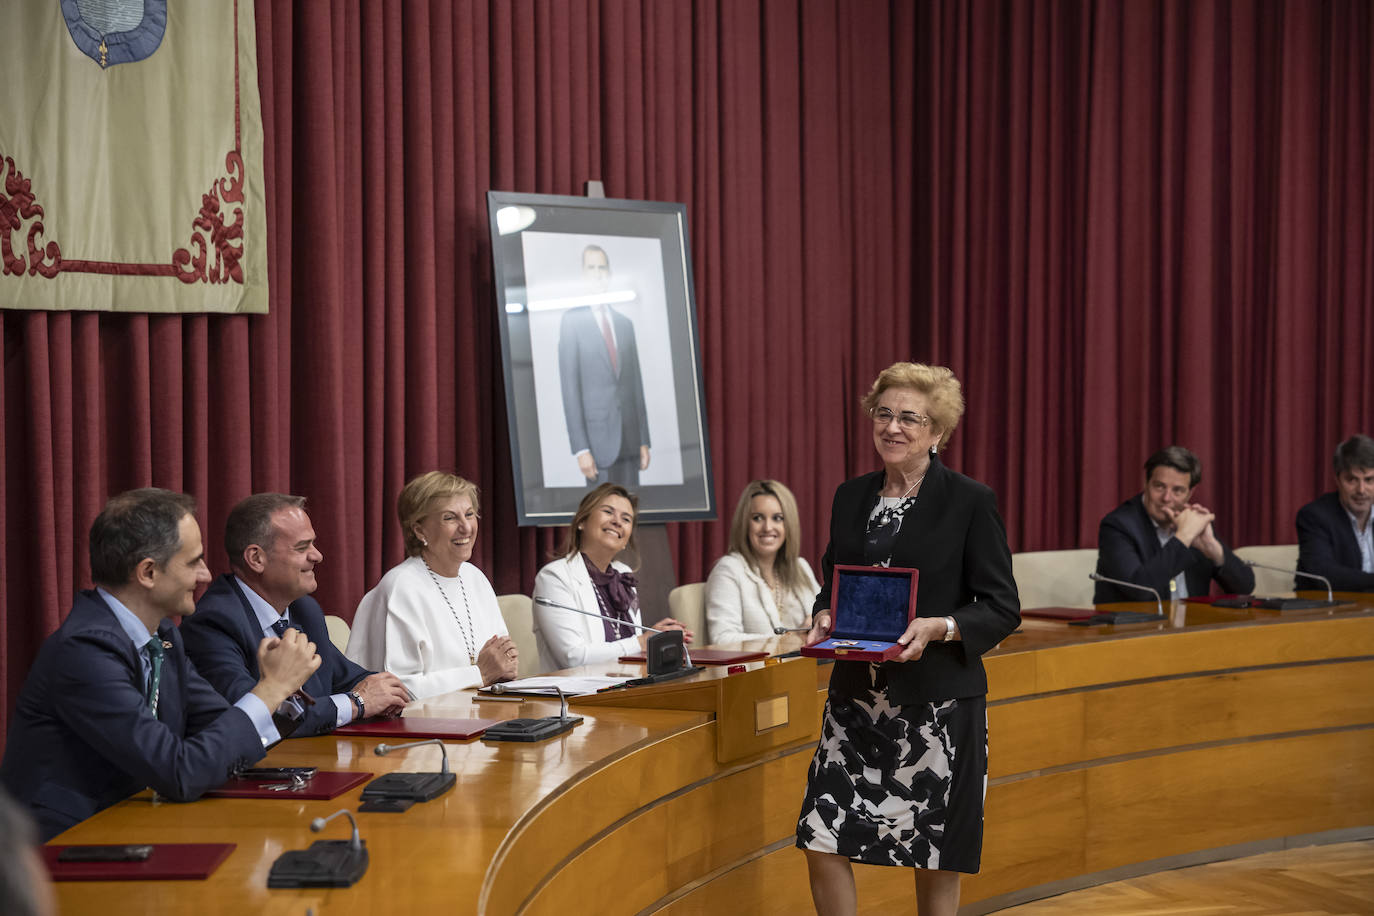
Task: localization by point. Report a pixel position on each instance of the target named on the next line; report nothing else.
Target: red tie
(610, 342)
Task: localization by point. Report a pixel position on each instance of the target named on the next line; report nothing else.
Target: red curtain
(1123, 224)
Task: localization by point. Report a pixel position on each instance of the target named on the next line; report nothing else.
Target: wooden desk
(1111, 746)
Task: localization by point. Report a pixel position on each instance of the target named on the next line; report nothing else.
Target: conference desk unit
(1114, 750)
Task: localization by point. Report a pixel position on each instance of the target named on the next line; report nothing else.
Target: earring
(932, 449)
(424, 543)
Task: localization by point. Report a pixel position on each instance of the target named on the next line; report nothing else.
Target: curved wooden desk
(1111, 748)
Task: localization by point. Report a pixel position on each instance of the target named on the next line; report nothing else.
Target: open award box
(870, 608)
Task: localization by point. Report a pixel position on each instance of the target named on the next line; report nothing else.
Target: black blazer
(82, 738)
(954, 535)
(1129, 549)
(222, 638)
(1327, 547)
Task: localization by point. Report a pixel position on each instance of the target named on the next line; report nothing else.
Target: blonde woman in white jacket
(587, 576)
(762, 582)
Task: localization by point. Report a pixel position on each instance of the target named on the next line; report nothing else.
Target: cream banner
(131, 157)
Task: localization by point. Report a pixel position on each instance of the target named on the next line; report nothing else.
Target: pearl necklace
(464, 628)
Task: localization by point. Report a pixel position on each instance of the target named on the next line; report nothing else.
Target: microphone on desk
(382, 750)
(398, 791)
(327, 863)
(1330, 595)
(355, 842)
(783, 631)
(1123, 616)
(535, 729)
(665, 651)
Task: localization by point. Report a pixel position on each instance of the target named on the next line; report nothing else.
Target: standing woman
(433, 619)
(763, 582)
(900, 772)
(587, 576)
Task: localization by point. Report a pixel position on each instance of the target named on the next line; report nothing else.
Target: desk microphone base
(1115, 617)
(662, 676)
(327, 863)
(530, 729)
(413, 787)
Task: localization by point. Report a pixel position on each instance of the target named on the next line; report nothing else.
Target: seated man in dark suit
(112, 705)
(1159, 539)
(1335, 538)
(272, 552)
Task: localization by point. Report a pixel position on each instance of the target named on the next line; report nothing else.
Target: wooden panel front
(1089, 725)
(1107, 749)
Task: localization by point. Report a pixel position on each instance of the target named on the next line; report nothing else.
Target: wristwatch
(949, 629)
(358, 703)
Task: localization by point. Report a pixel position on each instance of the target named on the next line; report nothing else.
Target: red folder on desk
(707, 657)
(322, 786)
(414, 728)
(167, 862)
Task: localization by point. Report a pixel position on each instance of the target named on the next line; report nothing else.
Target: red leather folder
(1059, 613)
(414, 728)
(168, 862)
(707, 656)
(324, 785)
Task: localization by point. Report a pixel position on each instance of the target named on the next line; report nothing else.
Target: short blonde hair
(937, 383)
(785, 565)
(572, 541)
(418, 497)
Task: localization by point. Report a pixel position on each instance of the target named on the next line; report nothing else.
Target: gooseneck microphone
(1330, 595)
(355, 842)
(1159, 603)
(327, 863)
(392, 789)
(783, 631)
(382, 750)
(687, 656)
(1123, 617)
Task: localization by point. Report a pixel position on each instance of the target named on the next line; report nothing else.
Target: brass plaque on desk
(770, 713)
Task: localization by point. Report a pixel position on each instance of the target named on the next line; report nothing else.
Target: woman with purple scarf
(587, 576)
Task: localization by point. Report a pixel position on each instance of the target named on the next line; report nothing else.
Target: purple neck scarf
(615, 593)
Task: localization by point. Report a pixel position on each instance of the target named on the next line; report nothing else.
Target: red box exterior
(820, 650)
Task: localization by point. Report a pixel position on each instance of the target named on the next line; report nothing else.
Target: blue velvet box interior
(872, 603)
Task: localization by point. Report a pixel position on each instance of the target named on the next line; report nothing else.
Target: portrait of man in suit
(603, 389)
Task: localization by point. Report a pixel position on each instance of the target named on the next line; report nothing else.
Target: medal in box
(870, 608)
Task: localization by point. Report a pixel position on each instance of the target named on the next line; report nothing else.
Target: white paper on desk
(545, 686)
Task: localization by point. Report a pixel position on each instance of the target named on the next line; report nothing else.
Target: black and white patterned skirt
(898, 785)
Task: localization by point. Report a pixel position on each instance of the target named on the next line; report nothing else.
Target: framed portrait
(601, 355)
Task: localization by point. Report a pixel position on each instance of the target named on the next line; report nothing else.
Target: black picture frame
(539, 244)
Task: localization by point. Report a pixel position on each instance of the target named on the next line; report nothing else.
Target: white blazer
(568, 640)
(740, 605)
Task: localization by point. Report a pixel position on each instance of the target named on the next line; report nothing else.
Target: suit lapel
(586, 595)
(171, 706)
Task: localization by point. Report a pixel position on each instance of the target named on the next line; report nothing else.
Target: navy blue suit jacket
(1327, 547)
(82, 738)
(1129, 549)
(599, 405)
(954, 535)
(222, 638)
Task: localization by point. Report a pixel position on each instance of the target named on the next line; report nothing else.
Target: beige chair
(1267, 581)
(338, 631)
(1054, 578)
(687, 605)
(518, 612)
